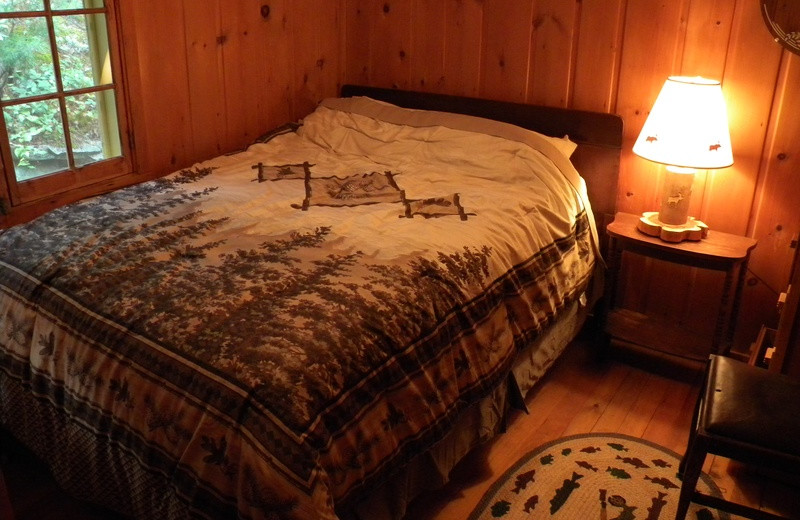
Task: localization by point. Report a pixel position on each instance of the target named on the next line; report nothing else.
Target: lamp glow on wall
(687, 130)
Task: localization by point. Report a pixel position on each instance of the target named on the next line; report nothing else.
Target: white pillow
(412, 117)
(566, 146)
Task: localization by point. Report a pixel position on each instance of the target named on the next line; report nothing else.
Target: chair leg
(689, 471)
(689, 449)
(693, 431)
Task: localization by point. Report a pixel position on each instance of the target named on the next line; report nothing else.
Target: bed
(319, 326)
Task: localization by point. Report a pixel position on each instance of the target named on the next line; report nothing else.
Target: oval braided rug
(593, 476)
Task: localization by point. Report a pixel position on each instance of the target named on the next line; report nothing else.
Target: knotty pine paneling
(553, 38)
(505, 54)
(613, 56)
(463, 44)
(250, 44)
(356, 54)
(317, 36)
(776, 216)
(597, 59)
(158, 76)
(428, 22)
(203, 37)
(209, 77)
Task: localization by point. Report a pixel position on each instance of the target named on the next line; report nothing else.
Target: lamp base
(693, 229)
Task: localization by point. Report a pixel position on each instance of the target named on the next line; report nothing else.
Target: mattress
(277, 333)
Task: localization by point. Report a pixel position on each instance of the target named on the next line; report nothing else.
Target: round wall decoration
(782, 18)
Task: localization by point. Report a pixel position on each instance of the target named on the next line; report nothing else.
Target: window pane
(60, 5)
(83, 50)
(36, 136)
(93, 127)
(17, 6)
(26, 65)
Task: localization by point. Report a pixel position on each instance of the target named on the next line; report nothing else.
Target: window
(62, 123)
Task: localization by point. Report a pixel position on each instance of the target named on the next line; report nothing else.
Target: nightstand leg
(719, 330)
(613, 261)
(737, 300)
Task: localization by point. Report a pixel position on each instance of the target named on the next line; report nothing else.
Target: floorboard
(579, 395)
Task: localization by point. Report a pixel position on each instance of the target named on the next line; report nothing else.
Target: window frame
(76, 177)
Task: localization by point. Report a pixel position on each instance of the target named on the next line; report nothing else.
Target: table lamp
(687, 130)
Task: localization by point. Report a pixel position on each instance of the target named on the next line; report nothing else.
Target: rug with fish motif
(593, 476)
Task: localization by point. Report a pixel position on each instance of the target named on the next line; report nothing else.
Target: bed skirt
(478, 424)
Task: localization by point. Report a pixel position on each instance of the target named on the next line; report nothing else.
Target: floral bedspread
(280, 329)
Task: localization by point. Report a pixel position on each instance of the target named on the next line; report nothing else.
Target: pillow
(566, 146)
(412, 117)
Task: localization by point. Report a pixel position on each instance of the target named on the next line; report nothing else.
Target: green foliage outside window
(27, 69)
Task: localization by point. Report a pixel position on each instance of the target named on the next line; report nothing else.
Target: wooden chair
(747, 414)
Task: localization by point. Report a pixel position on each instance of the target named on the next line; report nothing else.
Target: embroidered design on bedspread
(435, 207)
(283, 171)
(354, 190)
(213, 338)
(359, 189)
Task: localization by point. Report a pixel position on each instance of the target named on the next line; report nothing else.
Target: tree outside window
(57, 90)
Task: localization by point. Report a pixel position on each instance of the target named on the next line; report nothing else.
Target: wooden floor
(580, 395)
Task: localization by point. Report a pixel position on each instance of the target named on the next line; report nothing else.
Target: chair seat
(747, 414)
(752, 405)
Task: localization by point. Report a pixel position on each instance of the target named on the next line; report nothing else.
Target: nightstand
(719, 251)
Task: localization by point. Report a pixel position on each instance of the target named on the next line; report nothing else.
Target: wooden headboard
(598, 135)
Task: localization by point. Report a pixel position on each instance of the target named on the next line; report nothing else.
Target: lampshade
(688, 126)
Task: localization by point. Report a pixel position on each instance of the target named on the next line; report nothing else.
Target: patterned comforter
(276, 331)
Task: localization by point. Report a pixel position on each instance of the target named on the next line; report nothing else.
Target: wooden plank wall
(209, 77)
(614, 55)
